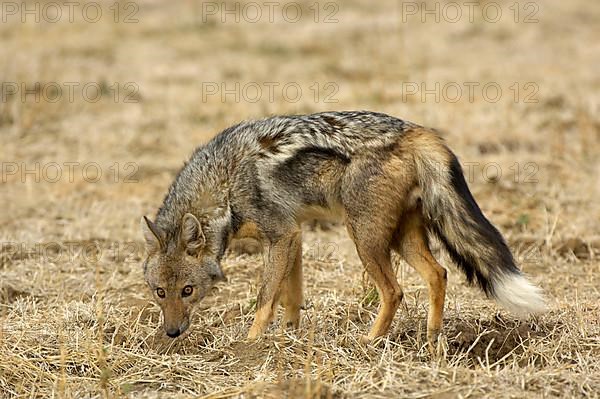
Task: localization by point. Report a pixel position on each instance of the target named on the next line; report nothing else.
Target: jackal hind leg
(413, 245)
(278, 257)
(374, 252)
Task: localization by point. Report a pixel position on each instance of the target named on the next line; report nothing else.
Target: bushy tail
(476, 246)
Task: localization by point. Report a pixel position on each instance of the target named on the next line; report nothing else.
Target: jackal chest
(248, 229)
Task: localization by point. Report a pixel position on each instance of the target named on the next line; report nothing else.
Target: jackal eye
(160, 292)
(187, 290)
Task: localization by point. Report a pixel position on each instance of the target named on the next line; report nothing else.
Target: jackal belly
(333, 213)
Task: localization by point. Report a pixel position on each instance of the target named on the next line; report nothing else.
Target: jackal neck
(200, 188)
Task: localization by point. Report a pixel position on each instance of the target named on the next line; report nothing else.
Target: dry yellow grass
(75, 316)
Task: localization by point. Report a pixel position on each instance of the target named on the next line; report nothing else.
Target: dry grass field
(96, 118)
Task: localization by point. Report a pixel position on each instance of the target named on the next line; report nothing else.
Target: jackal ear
(153, 235)
(192, 236)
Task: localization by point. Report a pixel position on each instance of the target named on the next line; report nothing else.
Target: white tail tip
(517, 295)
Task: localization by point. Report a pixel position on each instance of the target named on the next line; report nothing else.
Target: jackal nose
(173, 332)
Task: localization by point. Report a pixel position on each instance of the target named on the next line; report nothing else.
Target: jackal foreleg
(291, 294)
(279, 258)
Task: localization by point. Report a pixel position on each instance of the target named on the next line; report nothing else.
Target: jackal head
(179, 270)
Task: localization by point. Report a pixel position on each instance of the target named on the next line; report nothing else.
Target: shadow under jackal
(393, 184)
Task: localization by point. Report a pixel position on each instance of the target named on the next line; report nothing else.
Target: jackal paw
(433, 339)
(365, 339)
(292, 325)
(291, 322)
(254, 333)
(369, 340)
